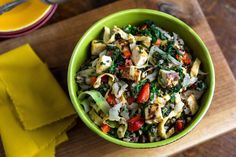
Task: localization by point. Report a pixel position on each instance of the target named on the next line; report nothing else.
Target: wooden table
(77, 147)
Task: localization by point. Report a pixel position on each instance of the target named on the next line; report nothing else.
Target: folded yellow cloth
(50, 150)
(30, 84)
(34, 110)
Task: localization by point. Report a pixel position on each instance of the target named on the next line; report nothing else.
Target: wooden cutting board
(55, 43)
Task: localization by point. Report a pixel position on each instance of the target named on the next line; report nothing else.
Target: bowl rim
(95, 129)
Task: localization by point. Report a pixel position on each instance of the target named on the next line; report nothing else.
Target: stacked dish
(24, 18)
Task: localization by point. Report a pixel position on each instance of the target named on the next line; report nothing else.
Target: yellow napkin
(34, 111)
(30, 84)
(50, 150)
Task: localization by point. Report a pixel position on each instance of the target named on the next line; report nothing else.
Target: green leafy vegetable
(154, 91)
(131, 29)
(166, 111)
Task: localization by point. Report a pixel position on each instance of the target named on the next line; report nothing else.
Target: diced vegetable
(144, 94)
(130, 100)
(105, 128)
(111, 99)
(158, 42)
(179, 126)
(186, 59)
(135, 123)
(127, 53)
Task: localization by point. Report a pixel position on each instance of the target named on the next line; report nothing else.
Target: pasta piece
(97, 47)
(122, 128)
(98, 81)
(192, 104)
(195, 68)
(98, 98)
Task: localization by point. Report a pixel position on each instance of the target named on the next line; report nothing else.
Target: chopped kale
(112, 68)
(127, 134)
(146, 127)
(103, 89)
(166, 111)
(131, 29)
(154, 91)
(113, 132)
(172, 98)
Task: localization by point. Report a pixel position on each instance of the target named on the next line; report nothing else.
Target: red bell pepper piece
(111, 99)
(135, 123)
(158, 42)
(179, 125)
(130, 100)
(105, 128)
(186, 59)
(144, 93)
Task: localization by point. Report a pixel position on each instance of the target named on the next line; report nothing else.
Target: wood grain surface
(59, 40)
(221, 15)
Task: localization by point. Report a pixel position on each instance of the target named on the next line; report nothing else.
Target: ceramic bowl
(134, 17)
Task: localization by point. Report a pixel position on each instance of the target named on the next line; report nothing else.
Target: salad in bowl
(141, 84)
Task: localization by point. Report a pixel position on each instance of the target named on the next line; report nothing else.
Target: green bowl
(133, 17)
